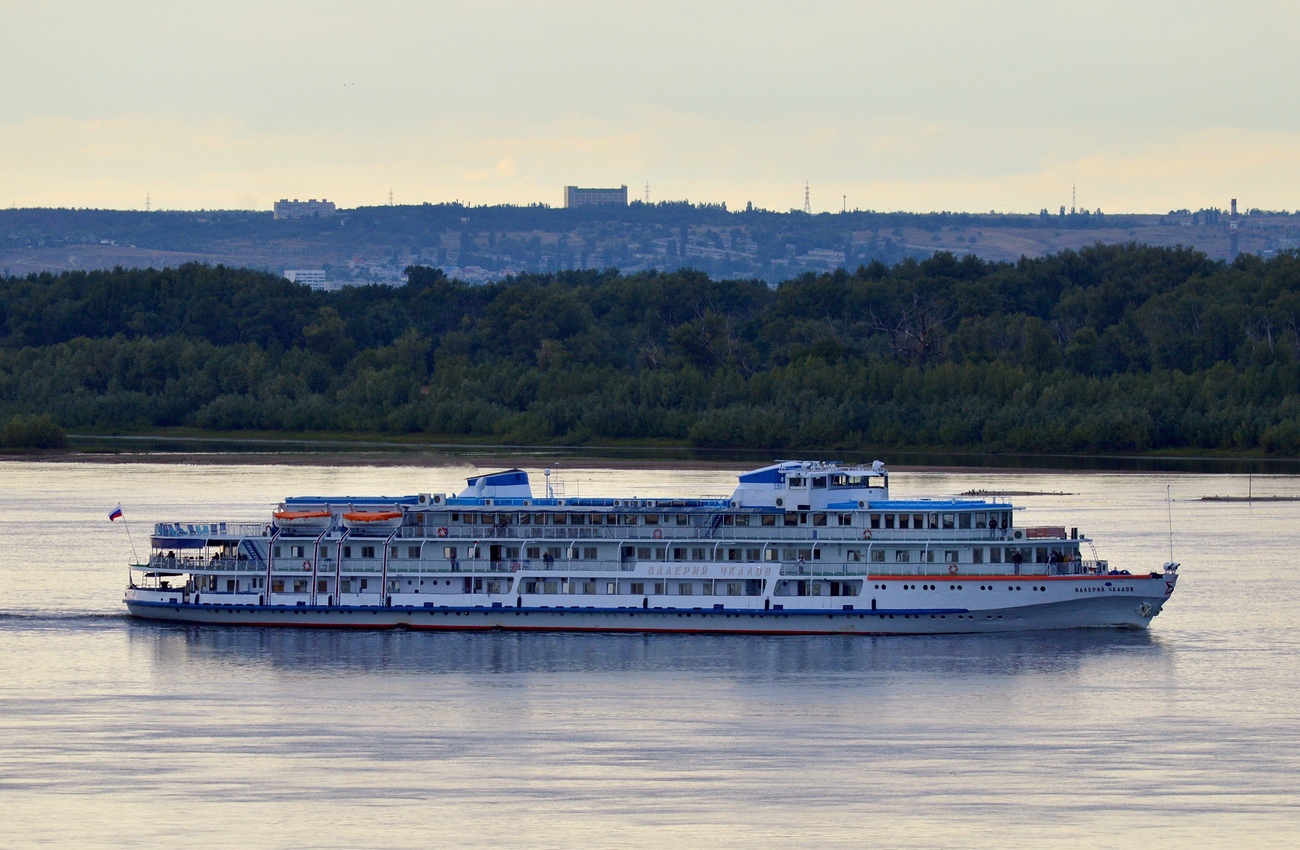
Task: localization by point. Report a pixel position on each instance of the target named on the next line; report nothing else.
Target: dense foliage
(1114, 348)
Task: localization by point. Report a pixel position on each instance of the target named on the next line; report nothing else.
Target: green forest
(1115, 348)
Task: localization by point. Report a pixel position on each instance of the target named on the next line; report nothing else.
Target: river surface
(116, 733)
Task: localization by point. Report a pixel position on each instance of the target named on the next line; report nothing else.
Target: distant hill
(477, 244)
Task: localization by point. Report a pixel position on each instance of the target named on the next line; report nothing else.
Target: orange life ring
(952, 569)
(866, 535)
(442, 532)
(306, 566)
(514, 567)
(658, 535)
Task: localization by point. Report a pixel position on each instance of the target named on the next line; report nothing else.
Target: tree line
(1111, 348)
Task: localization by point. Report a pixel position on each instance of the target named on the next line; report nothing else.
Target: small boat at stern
(799, 547)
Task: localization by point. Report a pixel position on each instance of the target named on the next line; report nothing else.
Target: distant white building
(578, 197)
(315, 278)
(303, 209)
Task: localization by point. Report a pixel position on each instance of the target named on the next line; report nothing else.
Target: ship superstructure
(798, 547)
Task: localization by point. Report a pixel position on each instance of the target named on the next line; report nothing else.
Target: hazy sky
(916, 105)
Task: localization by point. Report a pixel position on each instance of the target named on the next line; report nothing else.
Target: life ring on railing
(442, 532)
(306, 566)
(952, 569)
(866, 535)
(658, 535)
(514, 566)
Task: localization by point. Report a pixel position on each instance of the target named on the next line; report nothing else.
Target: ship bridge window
(889, 520)
(819, 482)
(947, 520)
(904, 520)
(963, 520)
(875, 520)
(795, 481)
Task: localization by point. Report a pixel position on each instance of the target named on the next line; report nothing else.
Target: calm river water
(126, 734)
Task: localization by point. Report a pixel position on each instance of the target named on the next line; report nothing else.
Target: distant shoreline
(268, 451)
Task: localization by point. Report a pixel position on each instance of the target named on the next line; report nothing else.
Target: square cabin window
(683, 519)
(589, 553)
(902, 556)
(875, 520)
(846, 519)
(412, 551)
(963, 520)
(819, 520)
(769, 520)
(889, 520)
(903, 520)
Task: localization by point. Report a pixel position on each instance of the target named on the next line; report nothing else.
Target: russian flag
(116, 514)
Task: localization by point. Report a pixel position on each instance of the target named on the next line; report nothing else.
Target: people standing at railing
(1017, 560)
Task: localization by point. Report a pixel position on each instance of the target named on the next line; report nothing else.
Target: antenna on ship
(1169, 507)
(550, 494)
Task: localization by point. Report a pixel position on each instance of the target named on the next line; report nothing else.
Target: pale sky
(920, 105)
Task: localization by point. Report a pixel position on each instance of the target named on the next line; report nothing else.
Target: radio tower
(647, 191)
(807, 204)
(147, 201)
(1073, 198)
(390, 196)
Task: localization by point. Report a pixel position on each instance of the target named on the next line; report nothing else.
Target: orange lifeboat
(372, 519)
(300, 519)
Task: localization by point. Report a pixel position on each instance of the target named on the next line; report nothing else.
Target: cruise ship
(800, 547)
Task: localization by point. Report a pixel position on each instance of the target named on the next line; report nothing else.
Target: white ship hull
(1132, 604)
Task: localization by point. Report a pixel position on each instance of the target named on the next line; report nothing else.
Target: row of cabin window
(996, 555)
(978, 519)
(790, 518)
(819, 482)
(709, 587)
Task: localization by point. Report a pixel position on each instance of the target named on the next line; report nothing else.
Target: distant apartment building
(575, 196)
(315, 278)
(303, 209)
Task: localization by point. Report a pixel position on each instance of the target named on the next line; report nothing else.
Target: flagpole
(127, 526)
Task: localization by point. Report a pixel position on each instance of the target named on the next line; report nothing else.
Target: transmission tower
(147, 202)
(1073, 198)
(807, 204)
(390, 196)
(647, 191)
